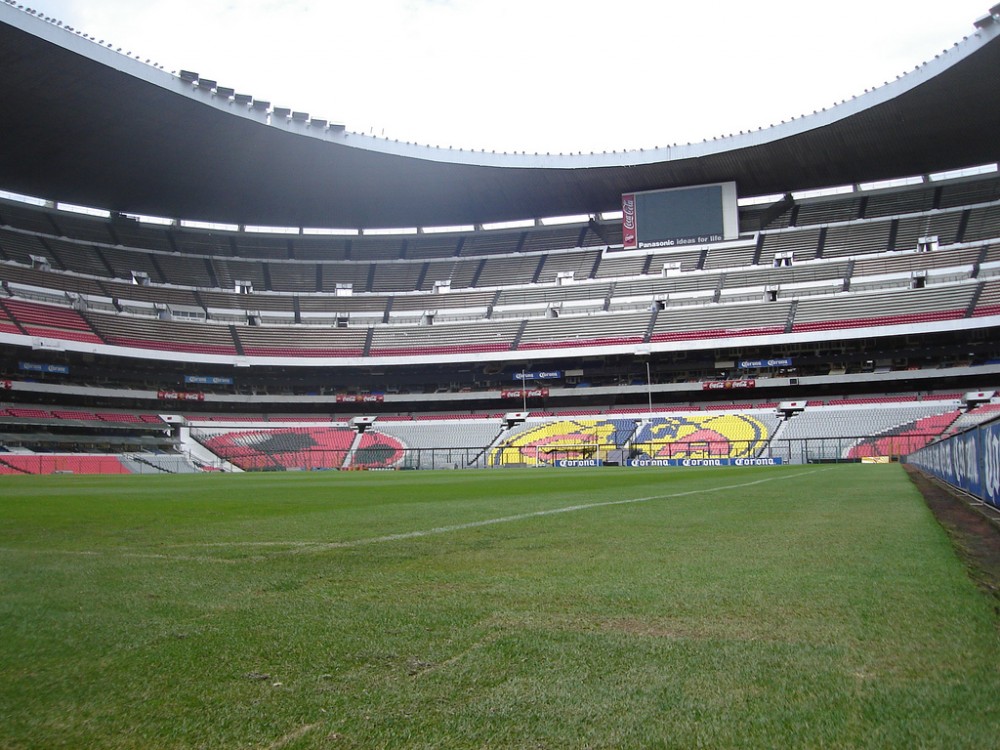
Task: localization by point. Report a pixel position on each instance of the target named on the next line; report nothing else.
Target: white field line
(117, 553)
(292, 736)
(300, 547)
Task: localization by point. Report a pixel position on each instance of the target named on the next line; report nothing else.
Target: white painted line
(320, 546)
(117, 552)
(299, 547)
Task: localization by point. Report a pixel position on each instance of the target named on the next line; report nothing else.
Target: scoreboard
(680, 216)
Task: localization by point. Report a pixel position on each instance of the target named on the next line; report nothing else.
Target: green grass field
(794, 606)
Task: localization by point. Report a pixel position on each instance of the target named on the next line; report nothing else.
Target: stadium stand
(859, 303)
(61, 464)
(303, 448)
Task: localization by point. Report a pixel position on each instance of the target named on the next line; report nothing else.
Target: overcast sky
(536, 75)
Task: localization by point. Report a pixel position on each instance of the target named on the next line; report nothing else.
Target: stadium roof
(88, 125)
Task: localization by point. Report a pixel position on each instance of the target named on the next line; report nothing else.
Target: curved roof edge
(146, 141)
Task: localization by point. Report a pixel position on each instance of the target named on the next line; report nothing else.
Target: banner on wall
(524, 392)
(639, 462)
(360, 398)
(750, 364)
(969, 461)
(989, 441)
(728, 385)
(539, 375)
(180, 396)
(630, 238)
(206, 380)
(38, 367)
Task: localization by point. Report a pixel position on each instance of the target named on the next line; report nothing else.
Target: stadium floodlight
(927, 244)
(361, 424)
(995, 10)
(243, 98)
(788, 409)
(513, 418)
(188, 76)
(988, 20)
(972, 398)
(40, 263)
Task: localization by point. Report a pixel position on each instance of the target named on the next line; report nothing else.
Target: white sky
(536, 75)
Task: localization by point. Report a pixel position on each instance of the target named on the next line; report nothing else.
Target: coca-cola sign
(524, 393)
(727, 385)
(630, 237)
(180, 396)
(360, 398)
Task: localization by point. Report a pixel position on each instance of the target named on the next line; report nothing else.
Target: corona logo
(702, 436)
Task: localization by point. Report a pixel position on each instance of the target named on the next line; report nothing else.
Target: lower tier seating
(819, 433)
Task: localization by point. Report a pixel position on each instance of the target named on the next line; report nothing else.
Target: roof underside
(78, 130)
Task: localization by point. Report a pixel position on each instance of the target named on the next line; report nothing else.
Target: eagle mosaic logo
(701, 436)
(307, 448)
(565, 440)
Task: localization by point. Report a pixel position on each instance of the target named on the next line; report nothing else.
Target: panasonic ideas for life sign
(680, 216)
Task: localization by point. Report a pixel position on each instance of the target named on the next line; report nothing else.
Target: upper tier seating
(167, 335)
(49, 321)
(543, 287)
(441, 338)
(300, 341)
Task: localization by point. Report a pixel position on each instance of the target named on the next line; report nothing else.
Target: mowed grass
(766, 607)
